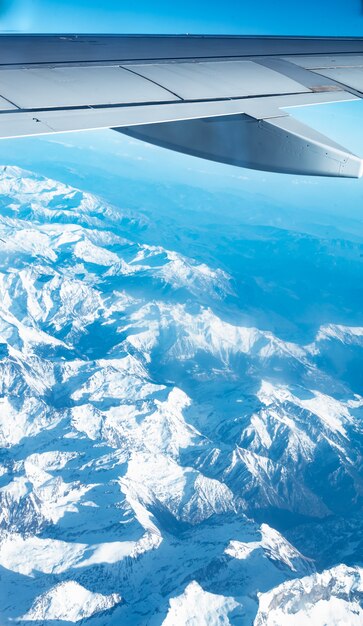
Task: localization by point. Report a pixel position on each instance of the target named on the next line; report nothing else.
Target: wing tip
(353, 168)
(360, 171)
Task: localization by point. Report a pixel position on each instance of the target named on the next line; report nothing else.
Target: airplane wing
(220, 98)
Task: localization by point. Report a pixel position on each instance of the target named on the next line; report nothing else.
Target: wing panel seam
(150, 80)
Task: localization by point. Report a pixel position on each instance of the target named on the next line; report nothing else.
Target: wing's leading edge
(219, 98)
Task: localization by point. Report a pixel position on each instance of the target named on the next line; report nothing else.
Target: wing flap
(350, 77)
(319, 61)
(33, 88)
(279, 144)
(57, 87)
(218, 79)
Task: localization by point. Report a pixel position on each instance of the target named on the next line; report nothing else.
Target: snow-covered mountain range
(163, 461)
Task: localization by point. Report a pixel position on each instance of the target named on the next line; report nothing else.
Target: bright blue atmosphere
(181, 381)
(241, 18)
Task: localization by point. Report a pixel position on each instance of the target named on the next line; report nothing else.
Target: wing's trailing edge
(219, 98)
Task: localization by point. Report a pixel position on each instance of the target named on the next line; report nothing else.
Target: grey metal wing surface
(225, 99)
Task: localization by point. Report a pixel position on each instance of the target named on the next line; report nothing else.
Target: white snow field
(168, 458)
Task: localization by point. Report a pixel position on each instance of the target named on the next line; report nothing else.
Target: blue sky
(315, 17)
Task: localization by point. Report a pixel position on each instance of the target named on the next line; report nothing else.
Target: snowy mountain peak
(174, 451)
